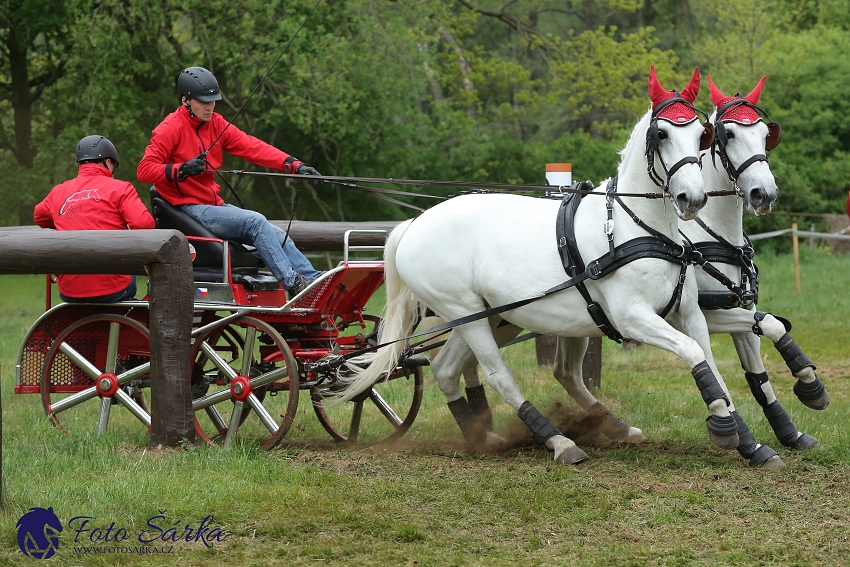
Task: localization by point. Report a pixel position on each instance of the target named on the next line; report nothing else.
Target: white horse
(740, 148)
(738, 162)
(478, 251)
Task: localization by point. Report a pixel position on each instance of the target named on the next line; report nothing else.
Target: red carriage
(253, 350)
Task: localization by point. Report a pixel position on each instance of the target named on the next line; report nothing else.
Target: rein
(655, 246)
(353, 183)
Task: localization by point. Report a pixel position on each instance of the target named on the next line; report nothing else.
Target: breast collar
(657, 245)
(743, 294)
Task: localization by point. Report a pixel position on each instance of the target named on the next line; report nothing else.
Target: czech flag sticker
(202, 292)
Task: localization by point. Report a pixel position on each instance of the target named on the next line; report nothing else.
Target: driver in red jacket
(181, 161)
(94, 200)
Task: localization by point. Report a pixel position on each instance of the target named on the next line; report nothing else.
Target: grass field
(674, 500)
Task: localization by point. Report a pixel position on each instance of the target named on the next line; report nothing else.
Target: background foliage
(480, 90)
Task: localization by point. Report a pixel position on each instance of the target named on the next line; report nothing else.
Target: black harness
(724, 252)
(653, 142)
(718, 145)
(746, 293)
(656, 246)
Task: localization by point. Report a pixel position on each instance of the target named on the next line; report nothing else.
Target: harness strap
(725, 252)
(749, 162)
(718, 147)
(656, 246)
(338, 361)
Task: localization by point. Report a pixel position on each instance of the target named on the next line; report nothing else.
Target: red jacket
(92, 201)
(181, 137)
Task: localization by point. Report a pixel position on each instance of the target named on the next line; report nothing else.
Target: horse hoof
(813, 394)
(773, 463)
(635, 435)
(724, 441)
(818, 403)
(493, 443)
(804, 442)
(571, 456)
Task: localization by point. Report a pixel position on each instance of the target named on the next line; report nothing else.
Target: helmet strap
(188, 106)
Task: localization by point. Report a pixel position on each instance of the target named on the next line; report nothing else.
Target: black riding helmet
(96, 148)
(199, 84)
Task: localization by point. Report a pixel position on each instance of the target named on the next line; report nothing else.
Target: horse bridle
(721, 140)
(653, 143)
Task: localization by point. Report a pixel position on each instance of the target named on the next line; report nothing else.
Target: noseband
(653, 143)
(718, 146)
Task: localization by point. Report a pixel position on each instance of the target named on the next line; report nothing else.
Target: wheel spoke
(79, 360)
(268, 377)
(215, 417)
(218, 361)
(264, 416)
(72, 401)
(134, 408)
(248, 350)
(384, 408)
(112, 347)
(103, 415)
(134, 373)
(211, 399)
(234, 423)
(356, 415)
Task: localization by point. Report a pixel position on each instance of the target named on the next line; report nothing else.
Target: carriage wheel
(104, 358)
(382, 413)
(245, 381)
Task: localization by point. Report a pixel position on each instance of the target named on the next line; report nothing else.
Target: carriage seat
(244, 261)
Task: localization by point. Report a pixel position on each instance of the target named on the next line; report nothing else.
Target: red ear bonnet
(677, 113)
(742, 114)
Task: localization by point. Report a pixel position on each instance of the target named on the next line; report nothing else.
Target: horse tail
(398, 320)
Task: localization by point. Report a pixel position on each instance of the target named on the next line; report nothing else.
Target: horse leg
(748, 347)
(479, 337)
(808, 388)
(644, 325)
(453, 359)
(477, 396)
(504, 332)
(569, 358)
(748, 447)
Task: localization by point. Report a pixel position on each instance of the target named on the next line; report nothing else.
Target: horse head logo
(72, 204)
(38, 533)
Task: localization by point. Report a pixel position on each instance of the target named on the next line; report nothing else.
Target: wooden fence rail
(162, 255)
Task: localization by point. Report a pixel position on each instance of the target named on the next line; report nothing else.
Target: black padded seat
(207, 266)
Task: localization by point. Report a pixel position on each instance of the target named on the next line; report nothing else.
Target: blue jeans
(252, 228)
(128, 292)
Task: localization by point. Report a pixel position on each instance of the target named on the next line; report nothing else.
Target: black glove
(193, 167)
(304, 169)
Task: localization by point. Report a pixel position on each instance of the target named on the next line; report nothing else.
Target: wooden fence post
(163, 253)
(795, 244)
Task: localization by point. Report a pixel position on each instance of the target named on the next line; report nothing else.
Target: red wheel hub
(240, 388)
(107, 384)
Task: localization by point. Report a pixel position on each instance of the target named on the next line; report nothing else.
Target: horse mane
(634, 149)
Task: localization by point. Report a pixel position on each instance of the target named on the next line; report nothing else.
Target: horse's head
(742, 142)
(675, 137)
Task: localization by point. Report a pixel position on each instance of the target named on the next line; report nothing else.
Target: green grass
(673, 500)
